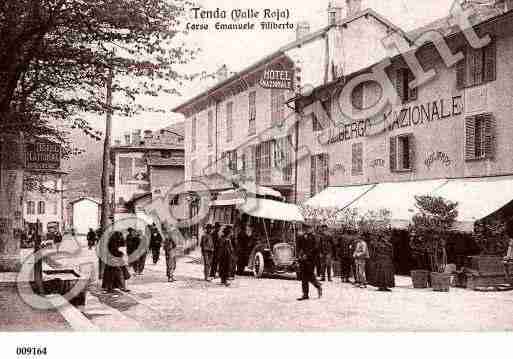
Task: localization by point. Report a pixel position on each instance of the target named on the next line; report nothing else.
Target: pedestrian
(155, 243)
(91, 238)
(140, 262)
(207, 250)
(170, 252)
(384, 254)
(115, 272)
(246, 243)
(225, 255)
(327, 252)
(317, 255)
(235, 259)
(132, 243)
(360, 255)
(57, 239)
(215, 260)
(345, 256)
(306, 248)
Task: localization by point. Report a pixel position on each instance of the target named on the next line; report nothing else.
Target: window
(479, 137)
(193, 134)
(40, 207)
(357, 159)
(31, 207)
(403, 78)
(401, 153)
(252, 113)
(132, 169)
(229, 122)
(477, 67)
(282, 153)
(175, 200)
(277, 112)
(263, 161)
(319, 173)
(316, 124)
(232, 160)
(210, 129)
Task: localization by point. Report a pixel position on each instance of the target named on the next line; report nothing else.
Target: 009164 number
(31, 351)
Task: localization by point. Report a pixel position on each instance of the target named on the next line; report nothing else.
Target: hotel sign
(277, 79)
(42, 155)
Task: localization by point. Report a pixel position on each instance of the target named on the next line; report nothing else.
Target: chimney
(127, 138)
(222, 73)
(136, 137)
(353, 7)
(335, 12)
(302, 29)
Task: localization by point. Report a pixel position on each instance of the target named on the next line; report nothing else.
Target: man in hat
(216, 233)
(327, 252)
(207, 250)
(307, 253)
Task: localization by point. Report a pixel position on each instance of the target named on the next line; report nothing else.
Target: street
(270, 304)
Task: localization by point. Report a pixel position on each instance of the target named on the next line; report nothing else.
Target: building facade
(85, 214)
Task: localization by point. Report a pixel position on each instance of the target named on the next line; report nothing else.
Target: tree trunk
(11, 201)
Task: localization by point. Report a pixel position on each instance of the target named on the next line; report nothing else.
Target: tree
(56, 57)
(431, 227)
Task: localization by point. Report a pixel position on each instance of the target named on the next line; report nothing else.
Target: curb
(72, 315)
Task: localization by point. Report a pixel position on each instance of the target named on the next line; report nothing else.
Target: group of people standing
(360, 254)
(218, 249)
(116, 268)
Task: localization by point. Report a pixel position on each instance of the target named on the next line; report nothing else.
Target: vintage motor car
(274, 224)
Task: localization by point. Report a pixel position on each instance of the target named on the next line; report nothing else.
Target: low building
(85, 214)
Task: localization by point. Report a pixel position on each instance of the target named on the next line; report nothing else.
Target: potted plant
(431, 226)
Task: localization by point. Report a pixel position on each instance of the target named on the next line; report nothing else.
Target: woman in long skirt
(384, 254)
(115, 272)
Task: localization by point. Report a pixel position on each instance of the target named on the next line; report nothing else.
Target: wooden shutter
(393, 153)
(478, 66)
(490, 60)
(470, 138)
(399, 84)
(411, 144)
(489, 123)
(412, 92)
(313, 175)
(357, 159)
(461, 71)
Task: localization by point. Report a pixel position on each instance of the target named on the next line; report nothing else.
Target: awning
(397, 197)
(237, 196)
(477, 197)
(267, 208)
(338, 197)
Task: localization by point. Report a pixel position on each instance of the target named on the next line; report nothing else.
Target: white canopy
(477, 197)
(398, 197)
(338, 197)
(267, 208)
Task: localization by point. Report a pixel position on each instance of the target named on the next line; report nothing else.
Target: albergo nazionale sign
(42, 155)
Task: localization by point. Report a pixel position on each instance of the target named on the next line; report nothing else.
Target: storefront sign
(42, 155)
(438, 156)
(277, 79)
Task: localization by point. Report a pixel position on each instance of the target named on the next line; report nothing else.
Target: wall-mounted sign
(437, 156)
(42, 155)
(277, 79)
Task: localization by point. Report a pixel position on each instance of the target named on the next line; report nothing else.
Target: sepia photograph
(221, 166)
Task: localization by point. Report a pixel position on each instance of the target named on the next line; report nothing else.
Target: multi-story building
(145, 164)
(240, 129)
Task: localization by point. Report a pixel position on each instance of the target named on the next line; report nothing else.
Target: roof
(171, 161)
(177, 128)
(133, 148)
(281, 52)
(92, 199)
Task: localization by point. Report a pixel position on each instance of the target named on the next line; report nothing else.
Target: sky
(238, 49)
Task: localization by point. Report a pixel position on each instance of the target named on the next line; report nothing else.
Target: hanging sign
(277, 79)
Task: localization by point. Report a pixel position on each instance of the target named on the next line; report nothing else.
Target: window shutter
(412, 92)
(399, 84)
(411, 155)
(478, 66)
(489, 136)
(490, 67)
(393, 154)
(461, 71)
(313, 175)
(470, 138)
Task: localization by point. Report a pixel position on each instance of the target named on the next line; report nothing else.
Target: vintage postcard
(227, 166)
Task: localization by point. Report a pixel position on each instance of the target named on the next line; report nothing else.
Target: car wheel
(258, 265)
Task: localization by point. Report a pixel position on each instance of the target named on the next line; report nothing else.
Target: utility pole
(105, 212)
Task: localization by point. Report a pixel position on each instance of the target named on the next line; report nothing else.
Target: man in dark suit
(327, 252)
(307, 253)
